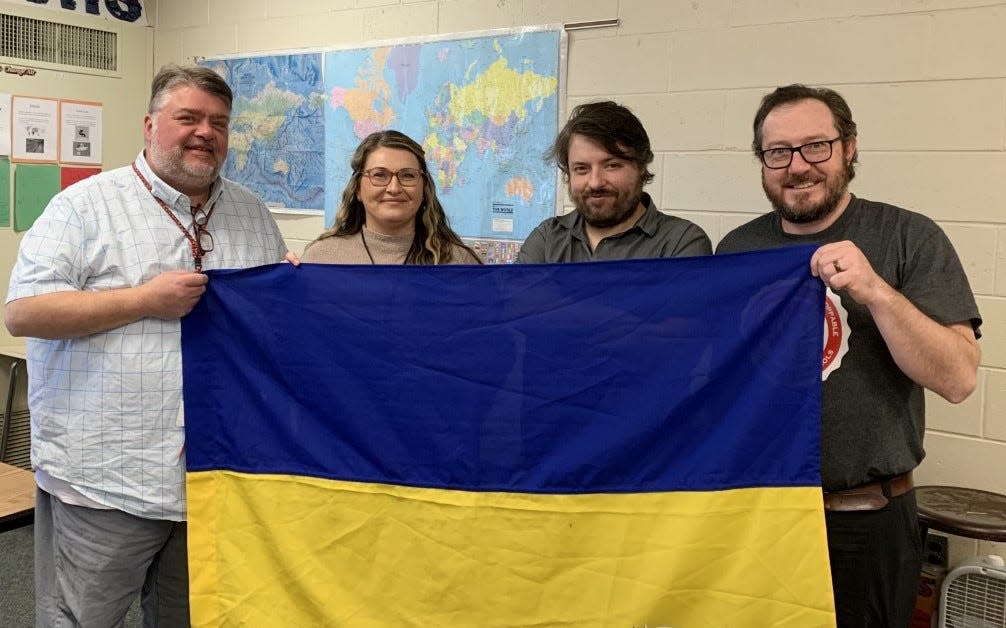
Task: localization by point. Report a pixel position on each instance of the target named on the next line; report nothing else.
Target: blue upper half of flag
(696, 373)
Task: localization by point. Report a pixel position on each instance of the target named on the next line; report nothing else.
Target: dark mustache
(799, 180)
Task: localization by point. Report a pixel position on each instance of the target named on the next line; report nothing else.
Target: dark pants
(876, 557)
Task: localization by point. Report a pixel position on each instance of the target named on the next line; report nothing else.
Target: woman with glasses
(390, 213)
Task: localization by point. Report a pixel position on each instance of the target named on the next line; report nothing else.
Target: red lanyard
(197, 248)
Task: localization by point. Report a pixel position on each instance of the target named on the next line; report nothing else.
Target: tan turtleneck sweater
(385, 249)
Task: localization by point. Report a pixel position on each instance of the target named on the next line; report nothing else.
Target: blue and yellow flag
(625, 443)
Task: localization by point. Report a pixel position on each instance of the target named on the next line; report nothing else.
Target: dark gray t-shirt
(873, 415)
(562, 239)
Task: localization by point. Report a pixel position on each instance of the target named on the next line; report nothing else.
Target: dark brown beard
(816, 212)
(618, 215)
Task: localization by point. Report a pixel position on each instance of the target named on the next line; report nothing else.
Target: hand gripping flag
(627, 443)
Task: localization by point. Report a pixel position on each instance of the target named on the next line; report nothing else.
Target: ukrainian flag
(625, 443)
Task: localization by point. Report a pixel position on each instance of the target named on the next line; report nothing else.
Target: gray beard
(169, 165)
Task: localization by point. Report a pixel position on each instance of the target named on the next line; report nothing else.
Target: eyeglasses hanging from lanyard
(199, 237)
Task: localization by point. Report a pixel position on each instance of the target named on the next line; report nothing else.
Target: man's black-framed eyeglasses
(812, 152)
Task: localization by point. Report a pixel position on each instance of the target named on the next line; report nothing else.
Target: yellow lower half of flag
(281, 550)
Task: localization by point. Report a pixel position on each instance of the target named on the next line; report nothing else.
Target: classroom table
(17, 497)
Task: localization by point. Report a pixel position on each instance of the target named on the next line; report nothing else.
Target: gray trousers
(90, 564)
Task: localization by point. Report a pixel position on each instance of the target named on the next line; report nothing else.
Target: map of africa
(277, 128)
(485, 110)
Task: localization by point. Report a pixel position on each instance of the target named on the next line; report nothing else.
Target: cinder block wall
(926, 80)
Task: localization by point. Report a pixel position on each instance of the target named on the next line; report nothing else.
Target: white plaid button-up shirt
(105, 407)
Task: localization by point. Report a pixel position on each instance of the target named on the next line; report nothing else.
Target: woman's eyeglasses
(407, 177)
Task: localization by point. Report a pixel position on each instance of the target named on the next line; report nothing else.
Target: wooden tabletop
(963, 511)
(17, 496)
(13, 351)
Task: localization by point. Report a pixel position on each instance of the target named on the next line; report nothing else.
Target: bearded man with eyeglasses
(900, 318)
(101, 281)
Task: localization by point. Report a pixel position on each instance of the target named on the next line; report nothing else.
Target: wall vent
(25, 39)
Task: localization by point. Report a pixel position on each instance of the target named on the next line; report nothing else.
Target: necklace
(197, 248)
(366, 248)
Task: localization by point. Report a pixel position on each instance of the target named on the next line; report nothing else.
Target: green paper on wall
(34, 187)
(4, 192)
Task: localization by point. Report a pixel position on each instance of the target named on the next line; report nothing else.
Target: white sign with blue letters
(127, 11)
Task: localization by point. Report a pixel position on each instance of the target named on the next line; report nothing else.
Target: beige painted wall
(926, 80)
(124, 100)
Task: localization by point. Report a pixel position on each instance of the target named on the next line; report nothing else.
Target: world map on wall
(485, 110)
(277, 146)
